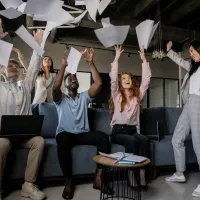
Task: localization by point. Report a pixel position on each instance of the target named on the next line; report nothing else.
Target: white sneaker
(29, 190)
(196, 192)
(175, 178)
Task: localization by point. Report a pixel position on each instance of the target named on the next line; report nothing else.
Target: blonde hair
(134, 89)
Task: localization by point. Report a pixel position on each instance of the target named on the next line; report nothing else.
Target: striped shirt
(15, 98)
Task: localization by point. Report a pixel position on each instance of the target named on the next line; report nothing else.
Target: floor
(158, 190)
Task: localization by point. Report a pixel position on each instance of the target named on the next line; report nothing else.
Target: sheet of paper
(65, 17)
(78, 19)
(92, 7)
(105, 22)
(21, 8)
(117, 155)
(152, 33)
(103, 5)
(29, 39)
(79, 2)
(5, 51)
(73, 60)
(143, 31)
(55, 8)
(122, 32)
(45, 36)
(10, 13)
(135, 158)
(11, 3)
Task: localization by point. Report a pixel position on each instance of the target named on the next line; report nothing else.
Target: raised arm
(57, 94)
(146, 74)
(34, 65)
(176, 58)
(95, 88)
(114, 71)
(21, 58)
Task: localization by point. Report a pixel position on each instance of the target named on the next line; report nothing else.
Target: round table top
(105, 161)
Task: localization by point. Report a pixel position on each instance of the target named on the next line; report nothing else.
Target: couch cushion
(99, 120)
(171, 116)
(50, 122)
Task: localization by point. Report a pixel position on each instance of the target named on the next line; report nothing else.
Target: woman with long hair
(189, 119)
(126, 96)
(44, 82)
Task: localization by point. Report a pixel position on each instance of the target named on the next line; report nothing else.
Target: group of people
(72, 107)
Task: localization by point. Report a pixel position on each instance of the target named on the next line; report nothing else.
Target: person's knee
(5, 146)
(38, 142)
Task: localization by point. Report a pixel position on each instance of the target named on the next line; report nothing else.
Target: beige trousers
(36, 146)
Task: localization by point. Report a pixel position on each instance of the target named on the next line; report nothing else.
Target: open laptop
(18, 126)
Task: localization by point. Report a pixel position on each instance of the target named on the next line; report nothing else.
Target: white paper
(65, 17)
(11, 3)
(5, 51)
(117, 155)
(56, 8)
(45, 36)
(73, 60)
(135, 158)
(79, 2)
(112, 35)
(145, 32)
(21, 8)
(92, 7)
(105, 22)
(29, 39)
(10, 13)
(78, 19)
(103, 5)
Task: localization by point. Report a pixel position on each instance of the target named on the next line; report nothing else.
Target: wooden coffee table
(116, 175)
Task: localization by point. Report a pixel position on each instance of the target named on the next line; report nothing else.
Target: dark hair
(15, 62)
(194, 65)
(41, 72)
(67, 75)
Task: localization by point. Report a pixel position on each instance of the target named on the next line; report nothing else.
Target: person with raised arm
(189, 120)
(124, 105)
(15, 99)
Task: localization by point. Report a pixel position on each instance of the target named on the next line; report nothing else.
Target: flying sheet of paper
(55, 8)
(78, 19)
(103, 5)
(65, 17)
(145, 32)
(29, 39)
(92, 7)
(21, 8)
(73, 60)
(5, 51)
(106, 22)
(79, 2)
(10, 13)
(45, 36)
(112, 35)
(11, 3)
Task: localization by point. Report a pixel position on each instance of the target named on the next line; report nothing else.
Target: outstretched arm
(176, 58)
(114, 71)
(95, 88)
(34, 65)
(146, 74)
(21, 58)
(57, 94)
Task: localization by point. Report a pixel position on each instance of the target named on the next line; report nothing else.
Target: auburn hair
(135, 91)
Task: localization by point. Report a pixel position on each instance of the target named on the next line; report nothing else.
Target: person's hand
(2, 34)
(38, 35)
(18, 52)
(169, 45)
(88, 55)
(142, 54)
(64, 60)
(118, 52)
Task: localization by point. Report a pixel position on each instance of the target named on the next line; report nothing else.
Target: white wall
(103, 58)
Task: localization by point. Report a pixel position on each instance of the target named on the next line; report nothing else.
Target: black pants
(128, 137)
(66, 141)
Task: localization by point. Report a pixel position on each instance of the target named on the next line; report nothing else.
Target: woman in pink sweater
(126, 96)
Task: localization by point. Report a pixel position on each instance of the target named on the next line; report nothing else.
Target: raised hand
(2, 34)
(88, 55)
(38, 35)
(18, 52)
(142, 54)
(64, 59)
(169, 45)
(118, 52)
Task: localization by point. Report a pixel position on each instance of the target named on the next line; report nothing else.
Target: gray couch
(155, 121)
